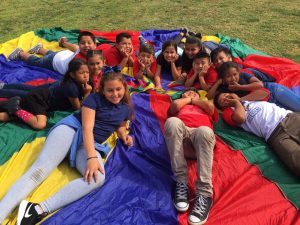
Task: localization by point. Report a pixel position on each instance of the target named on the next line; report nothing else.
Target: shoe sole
(199, 223)
(182, 210)
(21, 211)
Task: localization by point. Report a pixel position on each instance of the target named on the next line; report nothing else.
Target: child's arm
(149, 72)
(191, 79)
(93, 165)
(122, 134)
(212, 91)
(140, 72)
(157, 76)
(176, 71)
(207, 106)
(75, 102)
(202, 75)
(177, 104)
(239, 114)
(257, 95)
(254, 84)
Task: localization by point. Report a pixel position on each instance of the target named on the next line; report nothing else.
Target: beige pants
(197, 143)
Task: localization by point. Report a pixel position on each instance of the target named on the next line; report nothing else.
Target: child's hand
(234, 87)
(204, 69)
(182, 76)
(127, 139)
(158, 86)
(174, 57)
(86, 88)
(91, 171)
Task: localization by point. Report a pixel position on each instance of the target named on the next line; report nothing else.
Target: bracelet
(92, 157)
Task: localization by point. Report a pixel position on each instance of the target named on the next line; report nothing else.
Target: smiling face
(95, 64)
(86, 43)
(114, 91)
(191, 50)
(145, 58)
(81, 76)
(232, 76)
(169, 53)
(221, 58)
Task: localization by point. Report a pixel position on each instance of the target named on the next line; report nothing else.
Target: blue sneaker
(27, 214)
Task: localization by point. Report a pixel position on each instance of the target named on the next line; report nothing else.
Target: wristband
(92, 157)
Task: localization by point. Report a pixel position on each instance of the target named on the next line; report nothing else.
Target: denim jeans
(44, 62)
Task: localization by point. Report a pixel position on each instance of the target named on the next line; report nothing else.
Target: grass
(266, 25)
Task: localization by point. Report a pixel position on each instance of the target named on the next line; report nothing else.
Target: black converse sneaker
(27, 214)
(199, 213)
(181, 200)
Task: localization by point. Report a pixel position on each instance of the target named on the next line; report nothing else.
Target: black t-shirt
(166, 66)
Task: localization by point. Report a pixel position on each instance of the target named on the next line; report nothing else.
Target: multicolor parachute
(251, 185)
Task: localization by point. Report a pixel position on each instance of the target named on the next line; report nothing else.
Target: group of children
(94, 84)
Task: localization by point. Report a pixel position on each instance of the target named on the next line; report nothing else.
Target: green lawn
(266, 25)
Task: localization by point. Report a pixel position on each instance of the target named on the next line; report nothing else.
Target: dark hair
(117, 76)
(74, 65)
(201, 55)
(122, 35)
(193, 40)
(168, 44)
(86, 33)
(223, 69)
(191, 89)
(216, 103)
(214, 53)
(147, 48)
(92, 53)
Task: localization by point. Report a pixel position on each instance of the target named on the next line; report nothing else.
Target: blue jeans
(283, 96)
(44, 62)
(11, 90)
(54, 151)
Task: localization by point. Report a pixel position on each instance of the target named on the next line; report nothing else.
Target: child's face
(114, 91)
(221, 58)
(145, 58)
(190, 94)
(95, 64)
(191, 50)
(86, 43)
(223, 100)
(232, 76)
(125, 45)
(169, 53)
(199, 64)
(81, 76)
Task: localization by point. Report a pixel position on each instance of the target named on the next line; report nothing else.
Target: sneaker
(11, 105)
(199, 213)
(15, 54)
(27, 214)
(35, 49)
(181, 200)
(61, 41)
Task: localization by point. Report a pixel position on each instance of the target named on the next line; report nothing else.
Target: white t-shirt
(61, 60)
(263, 117)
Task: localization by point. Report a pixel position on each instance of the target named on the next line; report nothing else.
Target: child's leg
(283, 96)
(55, 149)
(203, 140)
(44, 62)
(37, 122)
(76, 188)
(43, 51)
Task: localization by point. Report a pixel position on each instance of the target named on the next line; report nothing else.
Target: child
(189, 132)
(278, 126)
(56, 61)
(122, 53)
(145, 64)
(197, 76)
(63, 96)
(168, 62)
(95, 61)
(245, 85)
(101, 114)
(192, 46)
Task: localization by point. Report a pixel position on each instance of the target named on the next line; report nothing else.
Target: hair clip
(111, 69)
